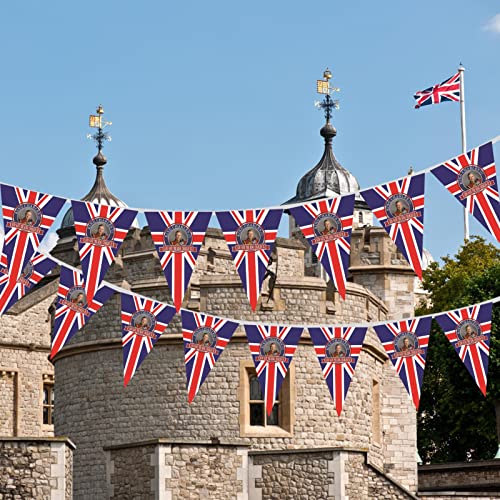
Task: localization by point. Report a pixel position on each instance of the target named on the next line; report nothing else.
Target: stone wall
(481, 476)
(293, 475)
(87, 408)
(377, 264)
(330, 474)
(35, 468)
(164, 469)
(24, 349)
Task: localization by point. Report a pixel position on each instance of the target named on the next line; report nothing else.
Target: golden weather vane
(96, 121)
(323, 87)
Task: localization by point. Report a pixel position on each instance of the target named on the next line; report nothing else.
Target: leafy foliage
(455, 421)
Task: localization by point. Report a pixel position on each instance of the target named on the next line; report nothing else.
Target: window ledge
(268, 431)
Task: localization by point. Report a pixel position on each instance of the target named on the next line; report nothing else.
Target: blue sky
(212, 102)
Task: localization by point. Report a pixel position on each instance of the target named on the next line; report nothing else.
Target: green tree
(455, 421)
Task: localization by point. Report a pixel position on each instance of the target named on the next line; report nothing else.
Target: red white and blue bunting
(250, 235)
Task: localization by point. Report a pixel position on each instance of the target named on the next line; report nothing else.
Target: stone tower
(146, 441)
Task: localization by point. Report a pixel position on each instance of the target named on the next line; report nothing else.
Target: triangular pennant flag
(472, 179)
(250, 235)
(27, 216)
(468, 329)
(399, 206)
(405, 342)
(327, 225)
(205, 337)
(72, 308)
(100, 231)
(143, 321)
(272, 349)
(178, 237)
(12, 290)
(338, 350)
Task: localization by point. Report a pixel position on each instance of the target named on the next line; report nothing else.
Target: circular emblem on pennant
(406, 343)
(178, 235)
(326, 224)
(143, 320)
(77, 296)
(27, 214)
(337, 348)
(101, 229)
(470, 177)
(27, 271)
(249, 234)
(272, 347)
(398, 204)
(204, 337)
(468, 329)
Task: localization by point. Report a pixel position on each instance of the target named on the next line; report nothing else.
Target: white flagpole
(461, 70)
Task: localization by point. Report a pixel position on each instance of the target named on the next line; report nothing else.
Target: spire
(99, 192)
(328, 177)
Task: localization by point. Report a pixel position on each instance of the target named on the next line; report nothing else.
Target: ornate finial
(95, 121)
(323, 87)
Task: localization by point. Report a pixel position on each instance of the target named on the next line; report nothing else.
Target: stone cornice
(33, 439)
(179, 442)
(24, 347)
(294, 451)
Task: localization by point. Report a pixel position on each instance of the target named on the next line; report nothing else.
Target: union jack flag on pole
(250, 235)
(205, 337)
(143, 322)
(272, 349)
(449, 90)
(468, 329)
(327, 225)
(399, 206)
(178, 237)
(338, 350)
(27, 216)
(73, 309)
(405, 342)
(471, 178)
(12, 290)
(100, 230)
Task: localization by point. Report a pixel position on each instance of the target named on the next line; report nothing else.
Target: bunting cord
(290, 205)
(120, 289)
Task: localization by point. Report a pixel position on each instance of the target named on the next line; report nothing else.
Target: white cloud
(493, 24)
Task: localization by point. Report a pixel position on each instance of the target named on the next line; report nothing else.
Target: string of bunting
(250, 235)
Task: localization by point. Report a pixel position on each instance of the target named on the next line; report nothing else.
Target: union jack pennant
(272, 349)
(338, 350)
(405, 342)
(100, 230)
(178, 237)
(73, 309)
(472, 179)
(13, 290)
(399, 206)
(27, 216)
(449, 90)
(250, 235)
(327, 225)
(468, 330)
(143, 321)
(205, 337)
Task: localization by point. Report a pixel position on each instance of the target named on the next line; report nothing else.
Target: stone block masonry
(36, 468)
(169, 470)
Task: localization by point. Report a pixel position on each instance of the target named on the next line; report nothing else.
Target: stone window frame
(47, 381)
(287, 405)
